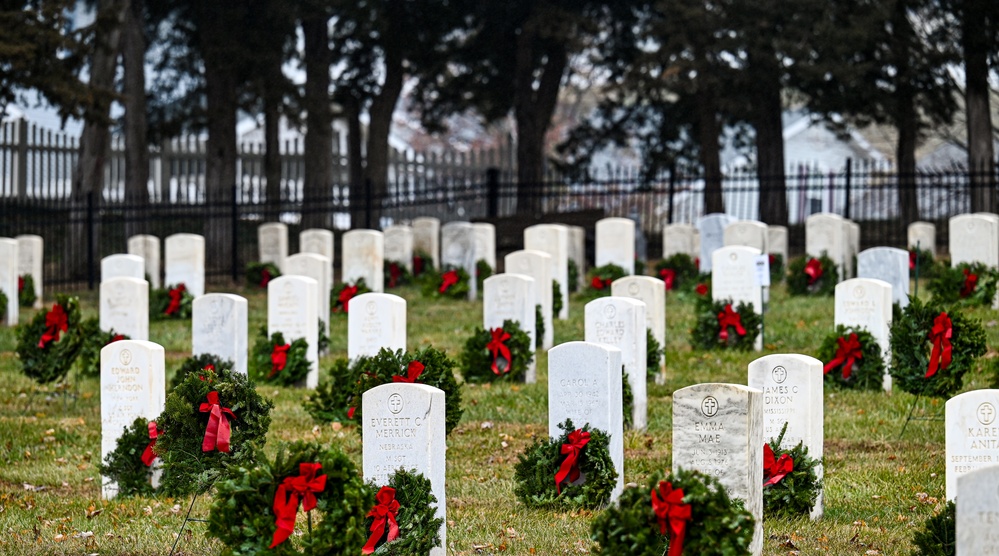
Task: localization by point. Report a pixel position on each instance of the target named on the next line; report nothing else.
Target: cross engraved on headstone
(395, 403)
(780, 374)
(709, 406)
(986, 413)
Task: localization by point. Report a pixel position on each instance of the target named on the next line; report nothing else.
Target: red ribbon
(774, 469)
(219, 431)
(940, 336)
(384, 513)
(701, 289)
(417, 265)
(449, 279)
(265, 277)
(56, 321)
(671, 512)
(847, 354)
(149, 454)
(116, 338)
(346, 294)
(303, 487)
(569, 470)
(596, 283)
(813, 268)
(20, 284)
(912, 260)
(668, 276)
(279, 358)
(727, 318)
(176, 294)
(499, 349)
(394, 275)
(412, 373)
(970, 282)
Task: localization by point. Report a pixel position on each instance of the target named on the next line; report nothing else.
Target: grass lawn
(878, 488)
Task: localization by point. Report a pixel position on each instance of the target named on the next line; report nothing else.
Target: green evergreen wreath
(422, 262)
(966, 284)
(573, 276)
(938, 535)
(776, 268)
(534, 473)
(627, 399)
(556, 298)
(539, 327)
(255, 274)
(678, 271)
(53, 361)
(26, 290)
(396, 274)
(706, 333)
(88, 361)
(929, 267)
(261, 367)
(718, 525)
(482, 271)
(125, 466)
(911, 350)
(601, 278)
(341, 295)
(476, 360)
(798, 280)
(186, 466)
(198, 364)
(3, 307)
(653, 352)
(419, 528)
(323, 343)
(797, 492)
(442, 284)
(242, 511)
(331, 400)
(174, 298)
(438, 371)
(866, 373)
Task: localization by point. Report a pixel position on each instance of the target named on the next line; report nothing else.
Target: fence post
(368, 196)
(492, 192)
(91, 233)
(849, 179)
(21, 162)
(234, 232)
(672, 191)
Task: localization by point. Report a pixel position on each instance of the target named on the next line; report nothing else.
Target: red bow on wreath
(847, 354)
(671, 512)
(449, 279)
(149, 454)
(727, 318)
(346, 294)
(218, 431)
(970, 282)
(912, 260)
(412, 373)
(176, 294)
(775, 469)
(394, 274)
(265, 277)
(940, 337)
(56, 321)
(813, 269)
(701, 289)
(500, 351)
(20, 284)
(417, 265)
(569, 470)
(279, 358)
(305, 486)
(668, 276)
(384, 512)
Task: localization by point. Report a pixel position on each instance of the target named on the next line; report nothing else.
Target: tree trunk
(272, 150)
(379, 125)
(905, 155)
(318, 122)
(709, 132)
(975, 43)
(220, 155)
(133, 52)
(769, 140)
(355, 156)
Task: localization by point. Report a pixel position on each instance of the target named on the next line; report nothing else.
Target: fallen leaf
(93, 512)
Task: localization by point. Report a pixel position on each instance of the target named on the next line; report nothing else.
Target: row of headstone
(867, 303)
(20, 256)
(835, 236)
(511, 296)
(8, 278)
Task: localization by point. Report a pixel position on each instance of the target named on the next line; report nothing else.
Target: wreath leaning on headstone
(556, 298)
(130, 463)
(482, 271)
(261, 274)
(403, 520)
(49, 344)
(3, 307)
(812, 276)
(331, 400)
(422, 261)
(499, 353)
(573, 470)
(275, 361)
(173, 302)
(213, 423)
(965, 284)
(938, 535)
(573, 270)
(791, 483)
(852, 358)
(341, 295)
(932, 349)
(776, 268)
(721, 324)
(396, 274)
(653, 353)
(539, 327)
(425, 366)
(687, 513)
(199, 364)
(26, 290)
(450, 282)
(88, 361)
(602, 277)
(678, 271)
(255, 509)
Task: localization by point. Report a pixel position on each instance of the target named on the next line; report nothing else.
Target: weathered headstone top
(748, 233)
(320, 242)
(148, 247)
(679, 238)
(185, 262)
(974, 238)
(219, 326)
(827, 233)
(615, 243)
(923, 234)
(485, 243)
(427, 237)
(777, 241)
(375, 321)
(123, 266)
(272, 243)
(399, 246)
(363, 258)
(124, 307)
(889, 265)
(711, 228)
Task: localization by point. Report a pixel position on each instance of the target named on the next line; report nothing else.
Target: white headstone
(404, 427)
(148, 247)
(125, 307)
(554, 240)
(219, 327)
(747, 233)
(320, 242)
(511, 297)
(399, 246)
(615, 243)
(123, 266)
(316, 267)
(792, 393)
(652, 292)
(185, 262)
(826, 233)
(375, 321)
(711, 228)
(718, 430)
(363, 258)
(485, 243)
(923, 234)
(853, 244)
(291, 310)
(537, 265)
(30, 253)
(132, 386)
(585, 385)
(733, 277)
(8, 277)
(620, 322)
(866, 303)
(577, 252)
(777, 241)
(272, 243)
(890, 265)
(458, 251)
(977, 512)
(426, 239)
(679, 238)
(971, 429)
(974, 238)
